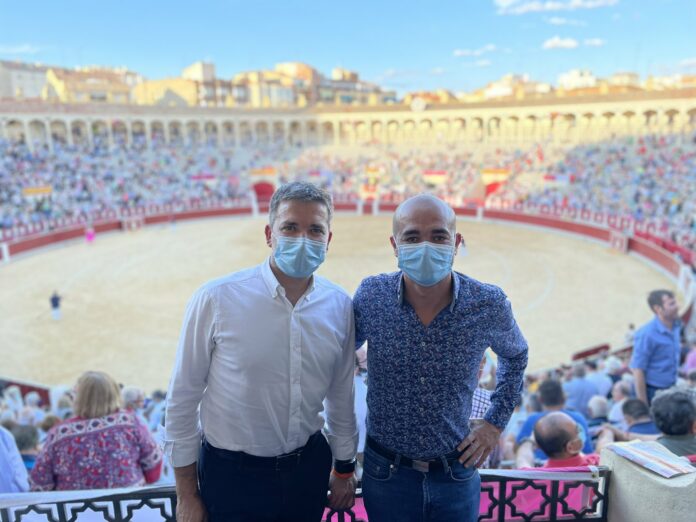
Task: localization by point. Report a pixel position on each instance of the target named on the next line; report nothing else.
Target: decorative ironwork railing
(514, 495)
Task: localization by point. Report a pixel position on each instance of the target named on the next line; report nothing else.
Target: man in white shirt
(260, 351)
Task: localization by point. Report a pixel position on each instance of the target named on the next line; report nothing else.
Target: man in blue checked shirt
(427, 328)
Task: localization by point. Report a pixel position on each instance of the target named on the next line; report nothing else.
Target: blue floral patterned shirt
(422, 378)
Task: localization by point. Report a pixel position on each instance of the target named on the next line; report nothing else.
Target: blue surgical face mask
(298, 256)
(426, 263)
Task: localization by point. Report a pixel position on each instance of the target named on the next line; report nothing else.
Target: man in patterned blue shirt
(427, 328)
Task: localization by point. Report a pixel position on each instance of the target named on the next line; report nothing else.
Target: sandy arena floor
(124, 295)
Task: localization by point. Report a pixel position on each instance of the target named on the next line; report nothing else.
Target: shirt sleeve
(507, 341)
(41, 475)
(640, 357)
(341, 424)
(150, 454)
(182, 440)
(15, 465)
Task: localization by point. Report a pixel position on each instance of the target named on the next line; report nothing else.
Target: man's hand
(341, 492)
(190, 508)
(478, 445)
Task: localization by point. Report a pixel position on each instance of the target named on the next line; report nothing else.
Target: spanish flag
(434, 177)
(41, 190)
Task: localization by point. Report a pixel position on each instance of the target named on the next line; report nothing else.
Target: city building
(21, 80)
(89, 85)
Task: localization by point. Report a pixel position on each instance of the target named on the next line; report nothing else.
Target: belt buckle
(420, 465)
(280, 459)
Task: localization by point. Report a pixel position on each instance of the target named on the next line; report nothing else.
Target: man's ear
(574, 446)
(328, 241)
(458, 241)
(393, 244)
(268, 233)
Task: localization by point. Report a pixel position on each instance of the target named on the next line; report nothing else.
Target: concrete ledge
(639, 495)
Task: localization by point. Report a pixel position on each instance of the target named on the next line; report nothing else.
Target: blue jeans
(393, 492)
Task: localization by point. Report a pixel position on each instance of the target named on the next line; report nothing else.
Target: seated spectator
(552, 399)
(46, 425)
(103, 446)
(32, 414)
(579, 390)
(692, 378)
(599, 410)
(614, 368)
(13, 473)
(601, 380)
(134, 401)
(620, 393)
(674, 411)
(155, 410)
(558, 436)
(638, 418)
(27, 439)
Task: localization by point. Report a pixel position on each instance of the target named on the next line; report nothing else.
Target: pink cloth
(112, 451)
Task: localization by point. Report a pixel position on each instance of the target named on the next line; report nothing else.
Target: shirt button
(421, 410)
(422, 380)
(423, 344)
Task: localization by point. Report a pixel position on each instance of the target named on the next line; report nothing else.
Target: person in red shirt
(558, 435)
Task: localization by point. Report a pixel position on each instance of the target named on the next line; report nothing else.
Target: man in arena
(427, 328)
(260, 351)
(657, 347)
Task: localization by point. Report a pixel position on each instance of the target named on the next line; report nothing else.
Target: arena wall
(599, 228)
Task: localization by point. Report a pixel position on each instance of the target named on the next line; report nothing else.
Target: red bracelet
(341, 475)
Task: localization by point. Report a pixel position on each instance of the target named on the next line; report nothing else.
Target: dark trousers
(651, 391)
(237, 487)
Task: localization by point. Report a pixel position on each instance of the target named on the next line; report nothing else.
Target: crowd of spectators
(564, 420)
(647, 178)
(98, 436)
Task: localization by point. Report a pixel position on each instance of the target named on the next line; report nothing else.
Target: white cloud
(557, 20)
(438, 71)
(19, 49)
(594, 42)
(560, 43)
(689, 63)
(478, 63)
(488, 48)
(518, 7)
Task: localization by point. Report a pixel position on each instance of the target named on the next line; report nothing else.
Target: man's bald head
(553, 432)
(424, 207)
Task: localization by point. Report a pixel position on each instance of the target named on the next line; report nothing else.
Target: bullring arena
(124, 294)
(170, 194)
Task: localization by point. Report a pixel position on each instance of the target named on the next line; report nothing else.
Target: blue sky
(459, 45)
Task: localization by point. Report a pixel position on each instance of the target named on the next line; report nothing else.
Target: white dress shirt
(260, 369)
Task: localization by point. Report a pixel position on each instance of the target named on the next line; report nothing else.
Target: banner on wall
(39, 190)
(435, 177)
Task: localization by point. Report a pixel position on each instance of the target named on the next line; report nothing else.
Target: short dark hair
(299, 191)
(591, 364)
(552, 440)
(551, 393)
(674, 412)
(635, 408)
(656, 297)
(26, 437)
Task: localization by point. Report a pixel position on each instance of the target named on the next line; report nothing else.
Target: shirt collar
(571, 462)
(274, 287)
(455, 289)
(659, 325)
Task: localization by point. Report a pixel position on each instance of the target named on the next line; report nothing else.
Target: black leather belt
(425, 466)
(284, 462)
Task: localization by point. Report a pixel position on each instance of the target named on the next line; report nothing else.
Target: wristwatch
(344, 466)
